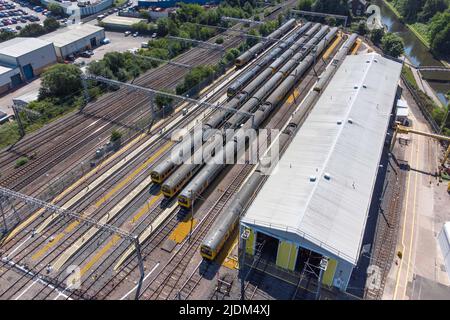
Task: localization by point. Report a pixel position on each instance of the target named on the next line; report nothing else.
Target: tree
(305, 5)
(162, 101)
(60, 80)
(331, 21)
(392, 45)
(115, 136)
(331, 6)
(6, 35)
(439, 31)
(376, 35)
(51, 24)
(250, 40)
(409, 9)
(430, 8)
(32, 30)
(55, 9)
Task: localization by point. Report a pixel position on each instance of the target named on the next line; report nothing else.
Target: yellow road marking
(358, 43)
(413, 221)
(34, 216)
(404, 225)
(293, 96)
(331, 48)
(116, 238)
(105, 198)
(99, 254)
(231, 262)
(182, 230)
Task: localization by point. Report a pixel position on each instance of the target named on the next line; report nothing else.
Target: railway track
(162, 236)
(164, 284)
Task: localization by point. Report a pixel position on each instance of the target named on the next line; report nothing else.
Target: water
(415, 51)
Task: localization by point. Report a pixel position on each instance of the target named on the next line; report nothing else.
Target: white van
(144, 45)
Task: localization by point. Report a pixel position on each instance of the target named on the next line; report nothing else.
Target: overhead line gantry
(153, 92)
(8, 194)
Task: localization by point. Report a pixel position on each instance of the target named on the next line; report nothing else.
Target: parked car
(154, 35)
(144, 45)
(85, 54)
(127, 33)
(105, 41)
(135, 34)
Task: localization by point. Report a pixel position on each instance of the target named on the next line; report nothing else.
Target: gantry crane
(402, 129)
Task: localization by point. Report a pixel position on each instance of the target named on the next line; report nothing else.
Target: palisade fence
(423, 109)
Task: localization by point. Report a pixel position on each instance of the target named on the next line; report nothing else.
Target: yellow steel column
(250, 243)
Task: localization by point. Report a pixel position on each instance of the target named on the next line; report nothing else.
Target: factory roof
(322, 189)
(19, 46)
(66, 36)
(4, 69)
(121, 20)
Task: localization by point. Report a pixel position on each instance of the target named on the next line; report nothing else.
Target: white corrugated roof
(332, 213)
(70, 34)
(121, 20)
(19, 46)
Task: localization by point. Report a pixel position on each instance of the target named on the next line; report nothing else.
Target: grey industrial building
(317, 201)
(22, 59)
(74, 39)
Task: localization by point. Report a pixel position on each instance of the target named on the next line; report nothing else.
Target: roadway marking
(18, 247)
(413, 220)
(69, 228)
(145, 278)
(116, 238)
(182, 230)
(26, 290)
(33, 217)
(33, 275)
(404, 223)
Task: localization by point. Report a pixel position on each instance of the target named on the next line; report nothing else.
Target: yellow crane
(402, 129)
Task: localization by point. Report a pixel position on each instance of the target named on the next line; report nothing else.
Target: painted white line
(25, 291)
(145, 278)
(33, 275)
(18, 247)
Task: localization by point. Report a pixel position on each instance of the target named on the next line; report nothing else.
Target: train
(243, 79)
(254, 92)
(261, 104)
(228, 220)
(261, 46)
(165, 168)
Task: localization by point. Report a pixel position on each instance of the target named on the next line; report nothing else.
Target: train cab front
(156, 177)
(184, 201)
(167, 191)
(207, 253)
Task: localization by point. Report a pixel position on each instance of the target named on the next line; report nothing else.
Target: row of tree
(32, 30)
(435, 14)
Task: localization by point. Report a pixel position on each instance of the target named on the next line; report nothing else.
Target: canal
(415, 51)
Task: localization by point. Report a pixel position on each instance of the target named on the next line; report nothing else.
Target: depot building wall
(338, 271)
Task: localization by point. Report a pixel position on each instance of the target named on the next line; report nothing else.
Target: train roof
(321, 192)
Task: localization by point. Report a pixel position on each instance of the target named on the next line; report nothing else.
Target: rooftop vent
(350, 120)
(327, 176)
(364, 86)
(355, 87)
(339, 122)
(312, 178)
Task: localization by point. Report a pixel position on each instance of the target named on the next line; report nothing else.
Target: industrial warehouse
(318, 199)
(289, 160)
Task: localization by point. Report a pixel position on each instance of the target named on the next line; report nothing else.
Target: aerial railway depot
(150, 223)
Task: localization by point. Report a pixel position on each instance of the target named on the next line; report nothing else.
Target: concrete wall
(287, 255)
(80, 45)
(39, 59)
(5, 79)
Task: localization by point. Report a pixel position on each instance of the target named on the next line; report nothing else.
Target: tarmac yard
(418, 271)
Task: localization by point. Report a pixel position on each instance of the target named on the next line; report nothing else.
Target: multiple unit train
(164, 169)
(227, 221)
(260, 47)
(259, 91)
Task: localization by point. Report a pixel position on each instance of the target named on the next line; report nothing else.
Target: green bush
(21, 161)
